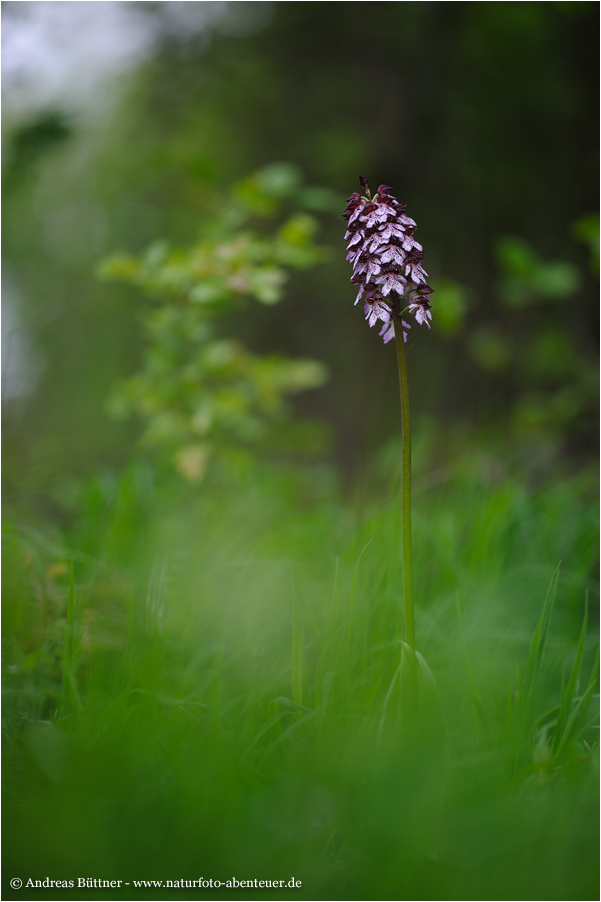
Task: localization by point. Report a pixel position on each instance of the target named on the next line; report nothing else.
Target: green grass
(216, 692)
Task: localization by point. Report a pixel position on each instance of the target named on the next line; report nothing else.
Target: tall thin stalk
(387, 268)
(405, 484)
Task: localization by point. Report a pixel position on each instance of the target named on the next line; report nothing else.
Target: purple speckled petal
(355, 215)
(391, 281)
(373, 268)
(392, 253)
(407, 221)
(410, 243)
(355, 237)
(392, 230)
(421, 314)
(375, 217)
(387, 332)
(415, 272)
(377, 311)
(375, 242)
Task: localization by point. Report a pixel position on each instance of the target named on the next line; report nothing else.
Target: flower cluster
(387, 260)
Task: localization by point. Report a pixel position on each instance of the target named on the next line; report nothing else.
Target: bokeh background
(198, 660)
(119, 118)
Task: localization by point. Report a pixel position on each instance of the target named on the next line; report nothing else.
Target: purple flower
(376, 309)
(392, 253)
(415, 272)
(387, 332)
(386, 260)
(373, 268)
(392, 281)
(421, 313)
(391, 230)
(409, 243)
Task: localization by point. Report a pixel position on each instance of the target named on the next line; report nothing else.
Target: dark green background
(483, 116)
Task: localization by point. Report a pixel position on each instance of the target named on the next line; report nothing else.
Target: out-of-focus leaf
(489, 349)
(556, 280)
(451, 307)
(193, 386)
(302, 374)
(266, 284)
(322, 200)
(262, 192)
(527, 280)
(278, 180)
(515, 257)
(207, 292)
(119, 266)
(587, 230)
(191, 461)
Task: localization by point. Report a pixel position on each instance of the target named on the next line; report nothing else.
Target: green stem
(405, 483)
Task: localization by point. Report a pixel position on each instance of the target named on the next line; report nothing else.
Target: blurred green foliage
(209, 689)
(531, 345)
(201, 394)
(495, 138)
(233, 710)
(30, 142)
(526, 280)
(587, 231)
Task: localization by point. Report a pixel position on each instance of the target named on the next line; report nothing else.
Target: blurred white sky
(72, 56)
(63, 53)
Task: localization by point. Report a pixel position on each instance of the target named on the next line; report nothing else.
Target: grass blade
(69, 688)
(538, 644)
(579, 711)
(568, 692)
(297, 652)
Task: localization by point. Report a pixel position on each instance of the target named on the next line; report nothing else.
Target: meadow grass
(206, 685)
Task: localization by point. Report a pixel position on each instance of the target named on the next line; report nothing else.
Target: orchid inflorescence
(387, 260)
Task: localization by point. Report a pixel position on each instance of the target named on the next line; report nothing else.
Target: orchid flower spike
(386, 259)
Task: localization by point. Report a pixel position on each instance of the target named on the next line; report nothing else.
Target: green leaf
(120, 267)
(538, 642)
(278, 180)
(208, 292)
(266, 284)
(325, 689)
(556, 281)
(282, 702)
(451, 307)
(489, 349)
(297, 652)
(568, 691)
(516, 257)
